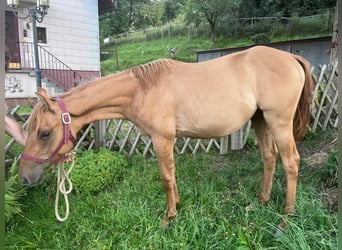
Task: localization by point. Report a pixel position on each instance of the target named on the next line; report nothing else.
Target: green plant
(95, 170)
(329, 172)
(13, 192)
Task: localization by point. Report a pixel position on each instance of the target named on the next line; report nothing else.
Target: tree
(147, 14)
(171, 9)
(212, 11)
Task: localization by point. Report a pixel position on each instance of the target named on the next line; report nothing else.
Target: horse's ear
(44, 97)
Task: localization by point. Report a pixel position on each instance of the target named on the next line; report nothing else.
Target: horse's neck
(101, 99)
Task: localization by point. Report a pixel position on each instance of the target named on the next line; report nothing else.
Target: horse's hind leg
(164, 150)
(269, 153)
(281, 128)
(290, 160)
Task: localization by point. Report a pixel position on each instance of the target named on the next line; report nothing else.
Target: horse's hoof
(165, 224)
(279, 232)
(263, 200)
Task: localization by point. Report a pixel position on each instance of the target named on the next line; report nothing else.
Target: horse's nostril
(25, 181)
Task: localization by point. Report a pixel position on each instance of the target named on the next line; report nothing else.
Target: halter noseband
(66, 119)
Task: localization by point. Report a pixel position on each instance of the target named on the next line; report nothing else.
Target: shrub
(95, 170)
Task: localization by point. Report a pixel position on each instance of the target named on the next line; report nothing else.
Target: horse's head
(50, 137)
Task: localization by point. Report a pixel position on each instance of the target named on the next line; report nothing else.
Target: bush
(95, 170)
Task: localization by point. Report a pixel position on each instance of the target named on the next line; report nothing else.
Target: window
(41, 35)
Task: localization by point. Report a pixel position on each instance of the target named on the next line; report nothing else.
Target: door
(12, 40)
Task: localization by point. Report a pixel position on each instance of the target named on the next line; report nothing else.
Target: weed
(329, 172)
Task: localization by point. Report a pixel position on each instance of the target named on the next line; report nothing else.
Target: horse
(167, 98)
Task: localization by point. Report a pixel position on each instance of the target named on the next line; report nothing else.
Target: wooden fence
(124, 137)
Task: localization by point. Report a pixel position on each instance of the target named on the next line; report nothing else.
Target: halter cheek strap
(66, 119)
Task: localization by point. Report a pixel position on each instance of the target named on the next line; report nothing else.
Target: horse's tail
(303, 114)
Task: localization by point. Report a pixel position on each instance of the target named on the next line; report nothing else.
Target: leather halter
(66, 119)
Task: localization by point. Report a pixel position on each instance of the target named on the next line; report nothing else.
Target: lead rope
(62, 179)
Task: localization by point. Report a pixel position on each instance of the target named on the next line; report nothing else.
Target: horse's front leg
(164, 150)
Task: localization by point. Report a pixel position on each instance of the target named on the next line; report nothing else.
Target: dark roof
(105, 6)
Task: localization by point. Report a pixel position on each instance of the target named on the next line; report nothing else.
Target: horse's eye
(44, 135)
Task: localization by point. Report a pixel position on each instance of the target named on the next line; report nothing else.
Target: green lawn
(219, 206)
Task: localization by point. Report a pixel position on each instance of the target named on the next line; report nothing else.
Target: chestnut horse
(168, 98)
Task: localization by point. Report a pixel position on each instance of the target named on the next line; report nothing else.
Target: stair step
(47, 84)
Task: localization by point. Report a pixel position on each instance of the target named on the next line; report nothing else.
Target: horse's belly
(211, 125)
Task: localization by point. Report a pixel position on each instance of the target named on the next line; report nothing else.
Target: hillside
(135, 53)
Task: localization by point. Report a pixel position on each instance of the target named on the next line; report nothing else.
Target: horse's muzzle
(29, 183)
(33, 176)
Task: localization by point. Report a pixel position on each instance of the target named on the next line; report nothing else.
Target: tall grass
(135, 53)
(219, 209)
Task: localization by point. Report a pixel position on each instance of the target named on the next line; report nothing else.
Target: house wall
(72, 30)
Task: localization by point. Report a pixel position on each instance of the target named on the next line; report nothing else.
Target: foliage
(329, 172)
(13, 192)
(258, 8)
(93, 170)
(212, 12)
(141, 14)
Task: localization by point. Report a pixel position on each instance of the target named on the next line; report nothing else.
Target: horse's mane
(149, 73)
(37, 111)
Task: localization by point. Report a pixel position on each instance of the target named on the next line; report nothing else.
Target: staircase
(57, 77)
(52, 88)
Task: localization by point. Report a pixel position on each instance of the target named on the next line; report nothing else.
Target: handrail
(52, 68)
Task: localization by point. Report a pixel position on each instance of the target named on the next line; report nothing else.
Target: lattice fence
(324, 104)
(124, 137)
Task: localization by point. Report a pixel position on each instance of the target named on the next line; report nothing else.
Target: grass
(219, 208)
(135, 53)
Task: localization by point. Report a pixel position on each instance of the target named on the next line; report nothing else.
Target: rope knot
(64, 180)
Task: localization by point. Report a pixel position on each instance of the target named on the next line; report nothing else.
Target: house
(68, 46)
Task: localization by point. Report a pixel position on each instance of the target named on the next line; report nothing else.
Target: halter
(66, 119)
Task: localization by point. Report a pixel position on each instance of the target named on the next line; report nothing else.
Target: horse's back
(217, 97)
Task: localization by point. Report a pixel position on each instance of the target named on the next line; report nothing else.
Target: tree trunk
(212, 34)
(334, 42)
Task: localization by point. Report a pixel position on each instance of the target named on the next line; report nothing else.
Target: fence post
(237, 140)
(100, 134)
(224, 145)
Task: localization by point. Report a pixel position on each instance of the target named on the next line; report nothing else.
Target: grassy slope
(132, 54)
(219, 209)
(136, 53)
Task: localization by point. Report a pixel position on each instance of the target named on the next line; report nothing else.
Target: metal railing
(52, 68)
